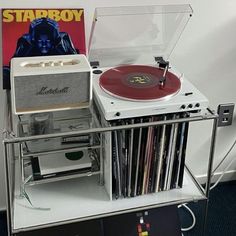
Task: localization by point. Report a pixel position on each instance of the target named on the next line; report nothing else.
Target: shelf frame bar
(209, 171)
(111, 128)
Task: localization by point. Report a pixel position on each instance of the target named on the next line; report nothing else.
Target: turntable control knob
(183, 107)
(97, 72)
(117, 114)
(190, 106)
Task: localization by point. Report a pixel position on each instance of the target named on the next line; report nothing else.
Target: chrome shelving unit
(35, 204)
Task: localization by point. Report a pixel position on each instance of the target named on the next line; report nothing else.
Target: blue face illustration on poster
(43, 39)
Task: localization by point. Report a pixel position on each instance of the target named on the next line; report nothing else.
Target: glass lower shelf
(41, 147)
(83, 199)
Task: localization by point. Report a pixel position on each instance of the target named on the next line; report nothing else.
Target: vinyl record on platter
(138, 82)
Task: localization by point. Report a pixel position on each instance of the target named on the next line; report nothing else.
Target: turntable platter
(138, 82)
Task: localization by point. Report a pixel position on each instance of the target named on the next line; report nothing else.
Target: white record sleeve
(58, 162)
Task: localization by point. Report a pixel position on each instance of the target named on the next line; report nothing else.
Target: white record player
(188, 98)
(129, 50)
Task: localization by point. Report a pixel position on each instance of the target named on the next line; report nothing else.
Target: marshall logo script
(54, 91)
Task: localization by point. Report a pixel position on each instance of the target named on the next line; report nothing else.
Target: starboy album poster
(40, 32)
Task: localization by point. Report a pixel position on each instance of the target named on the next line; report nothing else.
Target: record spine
(169, 150)
(160, 155)
(138, 159)
(172, 156)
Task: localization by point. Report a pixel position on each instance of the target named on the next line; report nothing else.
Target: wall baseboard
(228, 176)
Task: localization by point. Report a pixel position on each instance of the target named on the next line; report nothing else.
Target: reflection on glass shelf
(56, 122)
(39, 147)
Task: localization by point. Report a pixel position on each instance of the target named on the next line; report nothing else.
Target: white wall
(206, 54)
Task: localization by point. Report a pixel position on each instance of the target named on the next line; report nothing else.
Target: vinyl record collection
(150, 159)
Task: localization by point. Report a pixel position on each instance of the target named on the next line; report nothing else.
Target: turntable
(129, 51)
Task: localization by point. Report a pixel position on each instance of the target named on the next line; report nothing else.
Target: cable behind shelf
(221, 176)
(192, 215)
(212, 187)
(220, 163)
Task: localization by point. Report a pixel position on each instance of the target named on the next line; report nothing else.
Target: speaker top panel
(24, 66)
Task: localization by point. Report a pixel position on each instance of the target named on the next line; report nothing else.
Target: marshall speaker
(42, 84)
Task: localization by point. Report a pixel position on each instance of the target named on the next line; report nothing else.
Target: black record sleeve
(121, 154)
(161, 155)
(156, 150)
(126, 160)
(115, 184)
(164, 168)
(173, 152)
(150, 158)
(182, 157)
(178, 154)
(130, 158)
(35, 168)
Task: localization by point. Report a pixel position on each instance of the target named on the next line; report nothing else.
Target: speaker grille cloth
(75, 87)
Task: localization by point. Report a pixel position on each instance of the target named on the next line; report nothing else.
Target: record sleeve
(116, 166)
(178, 155)
(138, 136)
(142, 159)
(168, 140)
(130, 159)
(148, 159)
(172, 156)
(40, 32)
(60, 162)
(127, 153)
(159, 169)
(168, 156)
(180, 174)
(125, 150)
(155, 160)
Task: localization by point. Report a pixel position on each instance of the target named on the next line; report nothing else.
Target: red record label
(137, 82)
